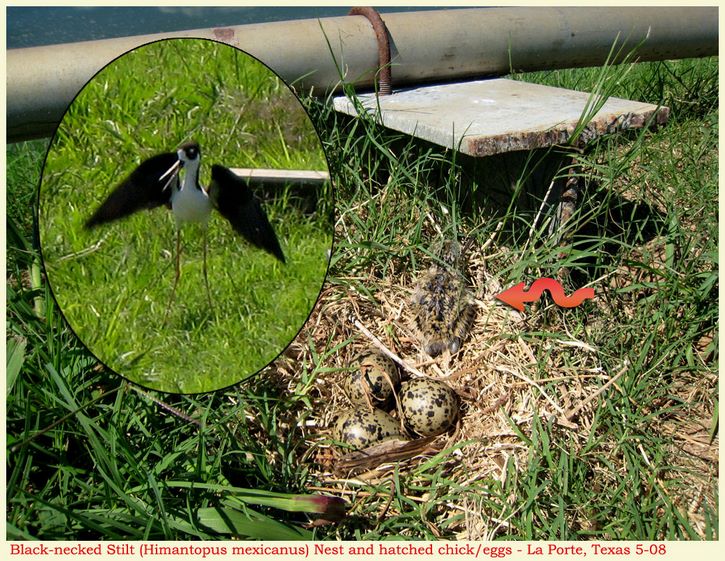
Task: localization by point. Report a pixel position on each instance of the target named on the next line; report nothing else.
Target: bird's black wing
(148, 186)
(235, 201)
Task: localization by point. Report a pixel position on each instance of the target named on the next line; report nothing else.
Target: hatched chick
(442, 305)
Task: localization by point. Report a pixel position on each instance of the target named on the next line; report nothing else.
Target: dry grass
(496, 375)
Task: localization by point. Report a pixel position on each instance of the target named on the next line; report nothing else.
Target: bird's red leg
(206, 277)
(177, 275)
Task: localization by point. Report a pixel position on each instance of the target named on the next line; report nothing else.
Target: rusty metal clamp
(385, 77)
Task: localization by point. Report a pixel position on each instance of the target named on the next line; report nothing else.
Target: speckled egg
(372, 378)
(362, 427)
(429, 407)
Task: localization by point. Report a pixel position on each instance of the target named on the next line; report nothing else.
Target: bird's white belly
(191, 205)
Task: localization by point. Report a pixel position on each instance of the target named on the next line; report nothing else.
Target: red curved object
(516, 296)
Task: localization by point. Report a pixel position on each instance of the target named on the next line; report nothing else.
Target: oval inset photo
(186, 215)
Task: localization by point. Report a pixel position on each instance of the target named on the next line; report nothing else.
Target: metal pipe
(426, 46)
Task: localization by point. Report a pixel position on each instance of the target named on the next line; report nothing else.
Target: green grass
(113, 283)
(88, 458)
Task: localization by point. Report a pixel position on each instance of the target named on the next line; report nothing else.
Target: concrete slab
(283, 176)
(487, 117)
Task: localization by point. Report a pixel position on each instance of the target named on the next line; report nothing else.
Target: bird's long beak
(172, 172)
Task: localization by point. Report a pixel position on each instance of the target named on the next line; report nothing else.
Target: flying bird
(157, 181)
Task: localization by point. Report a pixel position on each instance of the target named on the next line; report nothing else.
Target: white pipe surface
(426, 46)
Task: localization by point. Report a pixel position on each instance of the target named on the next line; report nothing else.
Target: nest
(495, 374)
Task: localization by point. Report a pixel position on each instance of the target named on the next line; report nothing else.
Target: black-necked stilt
(157, 182)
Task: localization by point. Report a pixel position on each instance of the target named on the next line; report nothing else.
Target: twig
(571, 413)
(533, 383)
(167, 407)
(491, 237)
(379, 344)
(578, 344)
